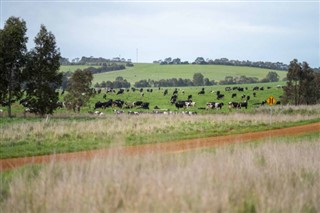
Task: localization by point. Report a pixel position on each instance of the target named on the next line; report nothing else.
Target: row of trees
(270, 77)
(225, 61)
(119, 82)
(35, 74)
(93, 61)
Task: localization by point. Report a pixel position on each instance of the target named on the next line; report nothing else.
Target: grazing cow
(234, 95)
(248, 97)
(218, 92)
(202, 92)
(141, 90)
(210, 105)
(215, 105)
(243, 104)
(190, 103)
(173, 99)
(227, 89)
(118, 103)
(121, 91)
(233, 105)
(165, 92)
(103, 104)
(24, 102)
(261, 88)
(268, 87)
(278, 102)
(254, 94)
(220, 96)
(144, 105)
(128, 105)
(175, 92)
(240, 89)
(189, 97)
(180, 104)
(243, 96)
(104, 96)
(137, 103)
(255, 88)
(133, 89)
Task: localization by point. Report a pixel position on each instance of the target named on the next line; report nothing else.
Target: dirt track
(177, 146)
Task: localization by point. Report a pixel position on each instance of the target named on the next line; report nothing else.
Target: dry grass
(123, 125)
(268, 177)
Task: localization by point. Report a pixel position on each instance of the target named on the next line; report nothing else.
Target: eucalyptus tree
(13, 52)
(79, 89)
(42, 74)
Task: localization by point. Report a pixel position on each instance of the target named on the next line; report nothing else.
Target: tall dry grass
(268, 177)
(123, 125)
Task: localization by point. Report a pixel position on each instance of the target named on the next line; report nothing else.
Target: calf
(233, 105)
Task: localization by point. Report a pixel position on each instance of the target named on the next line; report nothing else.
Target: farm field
(142, 71)
(22, 137)
(261, 176)
(157, 98)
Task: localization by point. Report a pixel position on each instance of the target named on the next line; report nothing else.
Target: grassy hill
(142, 71)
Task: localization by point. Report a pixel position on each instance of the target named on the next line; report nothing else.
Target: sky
(144, 31)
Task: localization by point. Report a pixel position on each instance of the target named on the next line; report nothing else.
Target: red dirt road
(176, 146)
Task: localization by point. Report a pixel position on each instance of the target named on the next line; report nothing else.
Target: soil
(168, 147)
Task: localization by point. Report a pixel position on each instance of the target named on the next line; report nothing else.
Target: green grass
(72, 68)
(157, 72)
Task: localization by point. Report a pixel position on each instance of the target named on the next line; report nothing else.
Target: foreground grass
(280, 176)
(19, 138)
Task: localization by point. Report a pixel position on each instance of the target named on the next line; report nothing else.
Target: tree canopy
(303, 85)
(13, 52)
(42, 74)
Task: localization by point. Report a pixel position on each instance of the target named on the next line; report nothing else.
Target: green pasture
(156, 72)
(157, 98)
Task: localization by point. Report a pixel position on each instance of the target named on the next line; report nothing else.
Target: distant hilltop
(92, 61)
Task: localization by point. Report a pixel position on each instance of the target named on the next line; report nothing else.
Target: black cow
(220, 96)
(243, 104)
(189, 97)
(233, 105)
(255, 88)
(144, 105)
(173, 99)
(137, 103)
(165, 92)
(118, 103)
(234, 95)
(121, 91)
(240, 89)
(180, 104)
(103, 104)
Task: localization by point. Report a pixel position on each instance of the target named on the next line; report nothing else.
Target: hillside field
(143, 71)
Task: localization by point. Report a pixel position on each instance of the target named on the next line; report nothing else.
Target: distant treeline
(225, 61)
(106, 68)
(92, 61)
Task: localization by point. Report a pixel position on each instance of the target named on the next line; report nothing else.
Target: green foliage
(198, 79)
(79, 89)
(303, 85)
(41, 74)
(13, 50)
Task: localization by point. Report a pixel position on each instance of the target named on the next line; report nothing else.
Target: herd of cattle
(119, 105)
(181, 104)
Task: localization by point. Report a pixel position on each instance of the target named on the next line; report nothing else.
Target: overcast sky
(244, 30)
